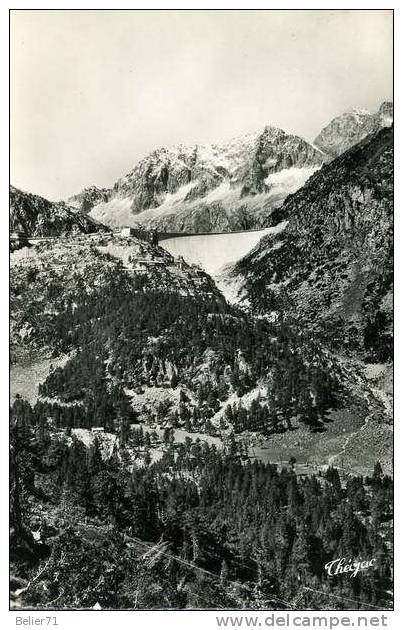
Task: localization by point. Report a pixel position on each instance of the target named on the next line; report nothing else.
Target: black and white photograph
(201, 311)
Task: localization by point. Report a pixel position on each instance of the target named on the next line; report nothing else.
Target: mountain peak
(361, 111)
(386, 107)
(349, 128)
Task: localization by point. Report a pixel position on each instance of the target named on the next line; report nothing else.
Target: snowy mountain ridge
(201, 188)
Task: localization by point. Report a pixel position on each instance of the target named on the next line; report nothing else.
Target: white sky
(92, 92)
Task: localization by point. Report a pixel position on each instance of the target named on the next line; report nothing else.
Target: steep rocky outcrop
(331, 266)
(209, 187)
(88, 198)
(351, 127)
(36, 216)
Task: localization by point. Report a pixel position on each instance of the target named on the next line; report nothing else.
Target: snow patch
(168, 206)
(289, 180)
(114, 213)
(386, 121)
(259, 392)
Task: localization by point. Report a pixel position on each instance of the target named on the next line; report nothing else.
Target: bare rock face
(346, 130)
(331, 266)
(88, 198)
(36, 216)
(275, 151)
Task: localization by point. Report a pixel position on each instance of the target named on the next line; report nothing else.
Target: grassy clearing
(349, 443)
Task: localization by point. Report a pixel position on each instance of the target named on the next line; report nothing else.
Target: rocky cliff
(351, 127)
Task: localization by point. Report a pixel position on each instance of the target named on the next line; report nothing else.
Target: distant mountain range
(207, 188)
(202, 188)
(224, 187)
(88, 198)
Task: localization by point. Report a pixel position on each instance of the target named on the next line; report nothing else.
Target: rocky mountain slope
(351, 127)
(331, 266)
(133, 319)
(206, 188)
(55, 280)
(36, 216)
(88, 198)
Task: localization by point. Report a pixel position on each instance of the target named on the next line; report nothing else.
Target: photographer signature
(340, 566)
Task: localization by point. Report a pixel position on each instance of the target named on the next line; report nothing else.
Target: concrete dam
(213, 251)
